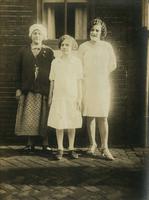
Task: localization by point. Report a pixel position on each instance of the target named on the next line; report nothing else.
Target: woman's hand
(79, 105)
(49, 102)
(50, 93)
(18, 94)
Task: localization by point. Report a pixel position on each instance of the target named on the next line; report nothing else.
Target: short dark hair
(98, 21)
(74, 42)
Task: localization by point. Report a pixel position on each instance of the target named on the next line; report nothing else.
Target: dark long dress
(32, 112)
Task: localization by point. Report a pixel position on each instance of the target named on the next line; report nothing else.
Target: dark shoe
(59, 155)
(73, 154)
(46, 148)
(29, 148)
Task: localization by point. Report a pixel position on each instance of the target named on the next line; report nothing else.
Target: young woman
(33, 68)
(65, 95)
(99, 61)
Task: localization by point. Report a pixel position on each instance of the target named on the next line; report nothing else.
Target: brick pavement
(39, 177)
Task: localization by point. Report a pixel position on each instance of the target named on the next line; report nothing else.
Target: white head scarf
(39, 27)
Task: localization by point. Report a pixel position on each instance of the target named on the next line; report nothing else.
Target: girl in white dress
(65, 95)
(99, 61)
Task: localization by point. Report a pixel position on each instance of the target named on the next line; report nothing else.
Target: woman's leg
(45, 140)
(30, 141)
(102, 123)
(45, 143)
(60, 136)
(71, 139)
(30, 145)
(91, 129)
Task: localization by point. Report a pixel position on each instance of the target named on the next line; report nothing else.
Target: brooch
(44, 53)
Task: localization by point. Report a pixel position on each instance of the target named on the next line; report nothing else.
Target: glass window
(65, 17)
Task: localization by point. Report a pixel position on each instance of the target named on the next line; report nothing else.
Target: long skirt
(32, 113)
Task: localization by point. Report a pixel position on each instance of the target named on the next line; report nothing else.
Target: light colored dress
(98, 62)
(64, 113)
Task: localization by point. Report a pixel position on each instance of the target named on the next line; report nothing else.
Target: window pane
(54, 19)
(71, 20)
(59, 20)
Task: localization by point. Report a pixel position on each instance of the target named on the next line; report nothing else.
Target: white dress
(64, 113)
(98, 62)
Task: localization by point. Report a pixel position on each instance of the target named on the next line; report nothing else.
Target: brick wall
(124, 32)
(15, 18)
(123, 21)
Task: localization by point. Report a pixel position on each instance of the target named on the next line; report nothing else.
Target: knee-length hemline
(64, 113)
(98, 62)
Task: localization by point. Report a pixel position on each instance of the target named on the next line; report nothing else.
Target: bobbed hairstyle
(98, 21)
(68, 37)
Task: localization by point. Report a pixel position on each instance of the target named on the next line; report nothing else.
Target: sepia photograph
(74, 99)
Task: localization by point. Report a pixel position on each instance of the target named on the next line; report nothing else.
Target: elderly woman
(98, 62)
(33, 68)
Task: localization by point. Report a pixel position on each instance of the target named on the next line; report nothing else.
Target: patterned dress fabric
(32, 114)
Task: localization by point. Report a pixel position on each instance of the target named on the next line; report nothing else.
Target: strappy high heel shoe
(106, 154)
(92, 149)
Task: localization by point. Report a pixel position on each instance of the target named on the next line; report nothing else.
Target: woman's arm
(79, 98)
(18, 93)
(18, 65)
(112, 60)
(51, 93)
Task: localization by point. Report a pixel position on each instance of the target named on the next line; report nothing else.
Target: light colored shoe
(46, 148)
(73, 154)
(91, 150)
(106, 154)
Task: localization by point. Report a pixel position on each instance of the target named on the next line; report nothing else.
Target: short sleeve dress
(98, 62)
(64, 113)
